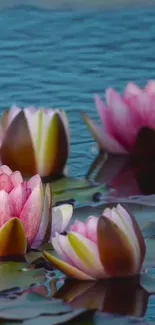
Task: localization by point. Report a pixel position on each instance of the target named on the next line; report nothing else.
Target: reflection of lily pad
(79, 190)
(17, 275)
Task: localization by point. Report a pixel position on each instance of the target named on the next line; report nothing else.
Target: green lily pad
(78, 190)
(57, 319)
(33, 256)
(149, 230)
(68, 183)
(149, 261)
(17, 275)
(29, 306)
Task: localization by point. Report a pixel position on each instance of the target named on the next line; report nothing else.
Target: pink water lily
(123, 117)
(105, 247)
(25, 212)
(34, 141)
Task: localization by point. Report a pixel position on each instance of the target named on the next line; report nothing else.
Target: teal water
(62, 58)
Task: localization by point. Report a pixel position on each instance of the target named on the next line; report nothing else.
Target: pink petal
(5, 183)
(150, 88)
(33, 182)
(32, 213)
(18, 197)
(91, 229)
(121, 119)
(5, 208)
(57, 248)
(69, 252)
(132, 90)
(6, 170)
(79, 227)
(101, 108)
(14, 110)
(104, 139)
(1, 134)
(46, 215)
(16, 178)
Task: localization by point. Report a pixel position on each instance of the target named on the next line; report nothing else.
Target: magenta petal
(16, 178)
(32, 213)
(5, 183)
(5, 208)
(6, 170)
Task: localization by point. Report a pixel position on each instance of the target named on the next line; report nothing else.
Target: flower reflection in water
(128, 176)
(118, 296)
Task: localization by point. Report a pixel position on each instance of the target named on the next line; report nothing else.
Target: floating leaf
(149, 230)
(68, 183)
(58, 319)
(149, 261)
(17, 275)
(148, 283)
(78, 190)
(107, 319)
(29, 306)
(33, 256)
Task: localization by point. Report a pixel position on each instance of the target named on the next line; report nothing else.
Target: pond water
(62, 58)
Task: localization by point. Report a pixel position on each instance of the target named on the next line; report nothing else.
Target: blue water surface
(62, 58)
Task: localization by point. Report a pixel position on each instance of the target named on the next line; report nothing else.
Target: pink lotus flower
(105, 247)
(25, 212)
(27, 218)
(34, 141)
(123, 117)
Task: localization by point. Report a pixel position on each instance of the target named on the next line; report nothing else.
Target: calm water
(60, 59)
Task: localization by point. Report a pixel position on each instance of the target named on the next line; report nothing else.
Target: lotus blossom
(123, 117)
(35, 141)
(105, 247)
(25, 213)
